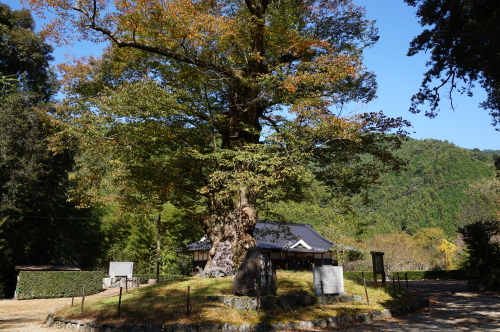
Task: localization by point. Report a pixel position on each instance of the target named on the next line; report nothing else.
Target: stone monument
(328, 280)
(121, 269)
(256, 269)
(120, 275)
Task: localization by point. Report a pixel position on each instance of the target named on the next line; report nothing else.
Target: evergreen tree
(24, 54)
(37, 223)
(483, 251)
(462, 38)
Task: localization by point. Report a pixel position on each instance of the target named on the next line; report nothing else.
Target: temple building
(291, 246)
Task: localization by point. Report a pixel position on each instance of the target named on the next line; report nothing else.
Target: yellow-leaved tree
(448, 250)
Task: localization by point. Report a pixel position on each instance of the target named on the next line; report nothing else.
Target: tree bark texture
(237, 225)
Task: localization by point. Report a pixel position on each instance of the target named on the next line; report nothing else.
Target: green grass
(166, 303)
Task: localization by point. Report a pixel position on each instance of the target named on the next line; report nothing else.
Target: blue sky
(399, 77)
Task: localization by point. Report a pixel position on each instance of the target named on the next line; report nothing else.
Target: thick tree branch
(272, 122)
(227, 72)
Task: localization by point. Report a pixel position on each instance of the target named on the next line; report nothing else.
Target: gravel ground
(452, 308)
(29, 315)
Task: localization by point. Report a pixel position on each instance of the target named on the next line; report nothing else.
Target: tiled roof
(203, 244)
(284, 236)
(47, 268)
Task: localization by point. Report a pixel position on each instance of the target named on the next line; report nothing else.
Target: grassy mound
(166, 303)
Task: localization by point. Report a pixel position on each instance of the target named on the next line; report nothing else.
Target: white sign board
(121, 269)
(332, 278)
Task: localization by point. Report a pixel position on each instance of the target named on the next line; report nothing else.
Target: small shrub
(413, 275)
(358, 275)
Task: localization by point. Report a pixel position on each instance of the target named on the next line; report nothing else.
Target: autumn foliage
(214, 105)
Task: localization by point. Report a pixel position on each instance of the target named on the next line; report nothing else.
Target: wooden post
(187, 308)
(126, 284)
(158, 251)
(406, 277)
(120, 301)
(322, 294)
(374, 264)
(257, 294)
(83, 298)
(394, 286)
(73, 297)
(366, 292)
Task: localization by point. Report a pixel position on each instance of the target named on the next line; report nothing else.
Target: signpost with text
(378, 265)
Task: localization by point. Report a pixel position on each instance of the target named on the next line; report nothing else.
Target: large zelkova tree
(462, 40)
(220, 106)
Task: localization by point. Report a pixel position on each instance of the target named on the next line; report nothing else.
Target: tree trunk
(237, 225)
(236, 219)
(244, 112)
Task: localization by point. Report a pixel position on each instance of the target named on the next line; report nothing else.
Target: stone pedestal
(116, 282)
(256, 269)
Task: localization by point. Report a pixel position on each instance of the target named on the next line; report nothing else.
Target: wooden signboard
(378, 265)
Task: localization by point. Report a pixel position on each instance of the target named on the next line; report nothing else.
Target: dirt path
(29, 315)
(452, 308)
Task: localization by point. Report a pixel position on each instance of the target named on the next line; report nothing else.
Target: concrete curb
(366, 318)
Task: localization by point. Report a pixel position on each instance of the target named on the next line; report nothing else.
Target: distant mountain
(492, 152)
(429, 193)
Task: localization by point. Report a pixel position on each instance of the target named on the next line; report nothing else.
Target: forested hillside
(431, 190)
(428, 193)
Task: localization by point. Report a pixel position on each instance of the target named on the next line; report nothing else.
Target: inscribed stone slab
(121, 269)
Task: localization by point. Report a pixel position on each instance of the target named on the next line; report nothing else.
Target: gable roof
(291, 237)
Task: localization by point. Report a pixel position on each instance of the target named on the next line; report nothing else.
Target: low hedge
(56, 284)
(358, 275)
(144, 278)
(412, 275)
(435, 275)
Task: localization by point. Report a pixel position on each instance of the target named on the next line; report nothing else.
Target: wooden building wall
(282, 260)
